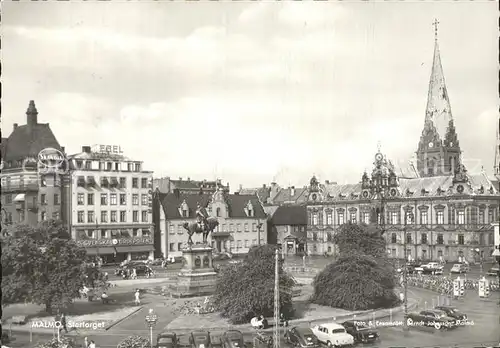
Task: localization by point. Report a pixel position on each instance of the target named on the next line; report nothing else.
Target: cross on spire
(435, 24)
(379, 146)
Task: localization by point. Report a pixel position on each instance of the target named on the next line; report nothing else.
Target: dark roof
(29, 141)
(3, 146)
(236, 203)
(262, 192)
(290, 215)
(285, 195)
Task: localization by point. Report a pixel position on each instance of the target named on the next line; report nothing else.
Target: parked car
(199, 339)
(167, 340)
(432, 268)
(233, 339)
(431, 318)
(452, 312)
(493, 272)
(301, 337)
(333, 335)
(459, 268)
(361, 331)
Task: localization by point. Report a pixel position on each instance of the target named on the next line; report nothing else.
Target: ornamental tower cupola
(438, 150)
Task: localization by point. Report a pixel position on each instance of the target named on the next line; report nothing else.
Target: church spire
(438, 111)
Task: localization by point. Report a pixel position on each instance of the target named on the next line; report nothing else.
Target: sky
(251, 92)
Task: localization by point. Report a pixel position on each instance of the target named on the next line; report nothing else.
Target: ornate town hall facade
(443, 211)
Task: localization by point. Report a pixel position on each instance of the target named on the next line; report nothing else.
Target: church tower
(438, 150)
(497, 152)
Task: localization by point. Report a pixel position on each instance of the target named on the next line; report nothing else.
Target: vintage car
(167, 340)
(493, 272)
(432, 268)
(333, 335)
(262, 341)
(459, 268)
(301, 337)
(361, 331)
(232, 339)
(199, 339)
(431, 318)
(452, 312)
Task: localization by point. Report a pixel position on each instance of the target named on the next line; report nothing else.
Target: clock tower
(438, 150)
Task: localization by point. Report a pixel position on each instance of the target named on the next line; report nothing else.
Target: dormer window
(409, 193)
(217, 212)
(439, 191)
(184, 210)
(249, 209)
(424, 192)
(184, 213)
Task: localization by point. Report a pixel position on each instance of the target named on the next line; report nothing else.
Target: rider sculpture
(203, 224)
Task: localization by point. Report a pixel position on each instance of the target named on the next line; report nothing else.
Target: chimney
(327, 182)
(241, 187)
(264, 186)
(177, 193)
(189, 179)
(86, 149)
(31, 114)
(15, 126)
(292, 191)
(180, 178)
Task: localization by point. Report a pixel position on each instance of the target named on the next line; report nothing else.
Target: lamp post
(151, 320)
(408, 216)
(259, 226)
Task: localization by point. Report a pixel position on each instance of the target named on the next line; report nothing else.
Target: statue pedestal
(197, 277)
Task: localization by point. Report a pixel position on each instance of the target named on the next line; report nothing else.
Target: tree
(134, 342)
(362, 277)
(42, 265)
(246, 289)
(54, 343)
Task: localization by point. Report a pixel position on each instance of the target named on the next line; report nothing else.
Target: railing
(19, 187)
(119, 241)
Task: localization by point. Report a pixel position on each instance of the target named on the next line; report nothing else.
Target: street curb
(122, 319)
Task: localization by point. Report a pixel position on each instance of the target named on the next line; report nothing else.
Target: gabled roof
(285, 195)
(236, 204)
(262, 192)
(29, 141)
(290, 215)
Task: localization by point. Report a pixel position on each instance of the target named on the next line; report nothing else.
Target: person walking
(85, 342)
(92, 344)
(137, 297)
(63, 323)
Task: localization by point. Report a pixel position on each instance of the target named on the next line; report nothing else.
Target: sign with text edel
(114, 149)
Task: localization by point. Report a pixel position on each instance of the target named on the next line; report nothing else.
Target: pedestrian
(85, 342)
(63, 323)
(137, 297)
(134, 274)
(91, 344)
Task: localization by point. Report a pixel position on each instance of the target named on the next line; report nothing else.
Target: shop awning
(20, 197)
(496, 252)
(134, 248)
(100, 251)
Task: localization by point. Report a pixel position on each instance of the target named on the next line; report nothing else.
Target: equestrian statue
(203, 224)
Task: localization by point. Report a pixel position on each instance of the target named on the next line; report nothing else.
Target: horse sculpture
(194, 227)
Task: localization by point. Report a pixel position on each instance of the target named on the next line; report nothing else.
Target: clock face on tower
(431, 144)
(378, 157)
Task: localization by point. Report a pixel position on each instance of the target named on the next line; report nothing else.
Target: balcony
(20, 187)
(115, 242)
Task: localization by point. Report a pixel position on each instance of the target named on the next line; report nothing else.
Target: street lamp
(259, 226)
(151, 320)
(408, 216)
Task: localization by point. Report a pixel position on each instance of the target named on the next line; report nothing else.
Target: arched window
(217, 212)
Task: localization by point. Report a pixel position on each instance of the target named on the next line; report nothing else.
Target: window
(246, 243)
(90, 233)
(353, 217)
(329, 220)
(56, 199)
(423, 218)
(480, 218)
(179, 246)
(171, 229)
(409, 217)
(112, 199)
(315, 219)
(217, 212)
(461, 217)
(254, 242)
(123, 199)
(394, 238)
(246, 227)
(8, 199)
(440, 217)
(90, 199)
(250, 212)
(461, 239)
(88, 165)
(254, 227)
(80, 199)
(366, 218)
(123, 182)
(238, 226)
(129, 167)
(341, 218)
(231, 228)
(135, 216)
(394, 218)
(55, 215)
(184, 213)
(144, 199)
(315, 236)
(180, 229)
(43, 216)
(135, 199)
(408, 238)
(135, 183)
(137, 167)
(423, 238)
(104, 199)
(113, 216)
(123, 216)
(79, 215)
(79, 164)
(109, 166)
(90, 216)
(440, 239)
(490, 215)
(144, 216)
(238, 244)
(171, 247)
(104, 216)
(144, 182)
